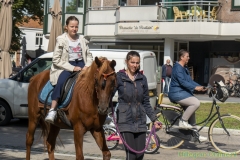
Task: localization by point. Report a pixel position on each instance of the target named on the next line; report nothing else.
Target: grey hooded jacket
(133, 103)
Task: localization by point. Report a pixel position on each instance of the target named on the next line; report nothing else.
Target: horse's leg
(79, 132)
(32, 124)
(100, 139)
(51, 140)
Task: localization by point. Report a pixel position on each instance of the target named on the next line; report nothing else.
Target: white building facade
(208, 29)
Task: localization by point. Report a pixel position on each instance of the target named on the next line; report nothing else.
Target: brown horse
(86, 111)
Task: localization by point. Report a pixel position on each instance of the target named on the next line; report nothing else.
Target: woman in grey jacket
(133, 106)
(71, 53)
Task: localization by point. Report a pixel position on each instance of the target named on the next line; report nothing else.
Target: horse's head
(105, 81)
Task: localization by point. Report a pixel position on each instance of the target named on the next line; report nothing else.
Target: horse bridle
(105, 76)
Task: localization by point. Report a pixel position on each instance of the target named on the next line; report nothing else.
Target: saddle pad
(47, 88)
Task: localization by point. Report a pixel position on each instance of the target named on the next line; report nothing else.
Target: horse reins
(153, 132)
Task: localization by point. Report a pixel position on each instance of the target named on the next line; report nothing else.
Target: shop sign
(137, 28)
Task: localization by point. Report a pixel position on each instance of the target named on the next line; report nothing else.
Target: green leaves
(22, 11)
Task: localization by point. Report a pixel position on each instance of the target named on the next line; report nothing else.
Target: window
(123, 2)
(38, 67)
(50, 4)
(118, 47)
(74, 6)
(236, 5)
(149, 2)
(39, 39)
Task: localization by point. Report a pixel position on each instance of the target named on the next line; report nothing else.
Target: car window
(38, 67)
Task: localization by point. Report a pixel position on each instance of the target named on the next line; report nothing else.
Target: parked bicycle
(113, 139)
(233, 85)
(223, 133)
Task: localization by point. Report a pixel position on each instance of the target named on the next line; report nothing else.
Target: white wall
(30, 35)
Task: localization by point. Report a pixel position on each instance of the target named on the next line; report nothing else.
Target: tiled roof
(31, 24)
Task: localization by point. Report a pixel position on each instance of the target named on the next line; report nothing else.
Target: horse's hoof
(107, 156)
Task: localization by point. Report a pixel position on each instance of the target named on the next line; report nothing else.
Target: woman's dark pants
(62, 78)
(137, 142)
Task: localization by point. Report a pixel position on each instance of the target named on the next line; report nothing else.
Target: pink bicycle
(113, 139)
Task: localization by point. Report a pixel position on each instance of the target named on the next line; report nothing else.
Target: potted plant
(197, 8)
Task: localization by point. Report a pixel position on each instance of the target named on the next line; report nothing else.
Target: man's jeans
(167, 83)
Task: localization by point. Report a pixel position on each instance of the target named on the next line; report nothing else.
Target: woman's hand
(158, 125)
(84, 68)
(200, 88)
(76, 68)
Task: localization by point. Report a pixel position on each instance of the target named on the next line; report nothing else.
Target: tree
(72, 5)
(23, 11)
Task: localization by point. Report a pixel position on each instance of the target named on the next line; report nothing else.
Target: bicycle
(233, 86)
(113, 139)
(223, 133)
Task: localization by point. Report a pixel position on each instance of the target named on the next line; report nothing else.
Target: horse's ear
(113, 64)
(98, 62)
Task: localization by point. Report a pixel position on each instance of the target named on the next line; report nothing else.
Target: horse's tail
(45, 128)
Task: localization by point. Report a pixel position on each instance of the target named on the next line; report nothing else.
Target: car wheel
(5, 113)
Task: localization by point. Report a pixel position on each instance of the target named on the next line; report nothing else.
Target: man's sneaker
(51, 116)
(202, 138)
(184, 125)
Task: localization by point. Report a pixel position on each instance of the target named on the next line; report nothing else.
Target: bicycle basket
(222, 93)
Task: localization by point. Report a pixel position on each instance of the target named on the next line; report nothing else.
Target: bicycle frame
(233, 86)
(115, 137)
(179, 112)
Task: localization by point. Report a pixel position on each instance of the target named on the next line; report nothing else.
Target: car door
(21, 86)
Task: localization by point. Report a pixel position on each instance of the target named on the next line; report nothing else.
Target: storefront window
(235, 4)
(141, 47)
(118, 47)
(74, 6)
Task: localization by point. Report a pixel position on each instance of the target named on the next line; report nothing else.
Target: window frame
(34, 64)
(78, 1)
(235, 8)
(47, 15)
(38, 36)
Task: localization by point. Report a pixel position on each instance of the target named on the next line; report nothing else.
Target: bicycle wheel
(111, 144)
(167, 141)
(152, 145)
(219, 138)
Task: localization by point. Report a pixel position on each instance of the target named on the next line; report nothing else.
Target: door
(21, 86)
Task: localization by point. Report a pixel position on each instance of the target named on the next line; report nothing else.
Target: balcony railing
(164, 12)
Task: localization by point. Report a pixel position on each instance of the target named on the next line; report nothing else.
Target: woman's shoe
(184, 125)
(202, 138)
(51, 116)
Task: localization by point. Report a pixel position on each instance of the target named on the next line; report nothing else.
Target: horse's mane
(86, 80)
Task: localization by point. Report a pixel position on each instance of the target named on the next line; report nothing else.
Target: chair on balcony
(178, 14)
(213, 13)
(203, 14)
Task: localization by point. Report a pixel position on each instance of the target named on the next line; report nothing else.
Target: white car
(13, 91)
